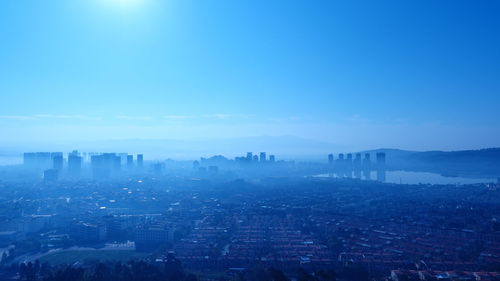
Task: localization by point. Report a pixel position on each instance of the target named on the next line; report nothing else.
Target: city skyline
(249, 140)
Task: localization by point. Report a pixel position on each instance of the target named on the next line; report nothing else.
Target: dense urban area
(120, 217)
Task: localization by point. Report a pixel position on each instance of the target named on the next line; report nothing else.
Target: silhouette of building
(40, 160)
(272, 158)
(381, 170)
(140, 160)
(356, 166)
(348, 165)
(330, 159)
(130, 161)
(340, 165)
(105, 165)
(57, 162)
(44, 160)
(262, 157)
(367, 167)
(74, 164)
(50, 175)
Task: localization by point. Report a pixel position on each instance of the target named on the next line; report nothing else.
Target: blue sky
(361, 74)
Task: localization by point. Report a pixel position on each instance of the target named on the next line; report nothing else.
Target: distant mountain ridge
(289, 147)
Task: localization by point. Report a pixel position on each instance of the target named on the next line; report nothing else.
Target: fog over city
(282, 140)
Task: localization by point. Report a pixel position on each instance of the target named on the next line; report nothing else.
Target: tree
(277, 275)
(304, 276)
(36, 267)
(326, 275)
(30, 272)
(4, 258)
(22, 271)
(173, 268)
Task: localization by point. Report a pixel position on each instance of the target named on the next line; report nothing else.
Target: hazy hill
(483, 162)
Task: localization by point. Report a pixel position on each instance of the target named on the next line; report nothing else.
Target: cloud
(134, 118)
(206, 116)
(220, 116)
(286, 119)
(178, 117)
(226, 116)
(48, 116)
(65, 116)
(17, 117)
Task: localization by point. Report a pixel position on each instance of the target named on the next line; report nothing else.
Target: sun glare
(124, 2)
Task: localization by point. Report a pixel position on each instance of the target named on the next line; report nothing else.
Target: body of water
(405, 177)
(432, 178)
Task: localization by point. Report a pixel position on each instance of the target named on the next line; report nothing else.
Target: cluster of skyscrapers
(102, 165)
(52, 163)
(111, 164)
(358, 166)
(256, 158)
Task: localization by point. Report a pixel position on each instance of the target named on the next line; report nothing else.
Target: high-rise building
(97, 166)
(367, 166)
(105, 165)
(74, 164)
(381, 171)
(57, 162)
(356, 166)
(262, 157)
(140, 160)
(255, 158)
(42, 160)
(357, 158)
(50, 175)
(381, 160)
(272, 158)
(348, 165)
(114, 161)
(330, 159)
(249, 156)
(340, 165)
(130, 161)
